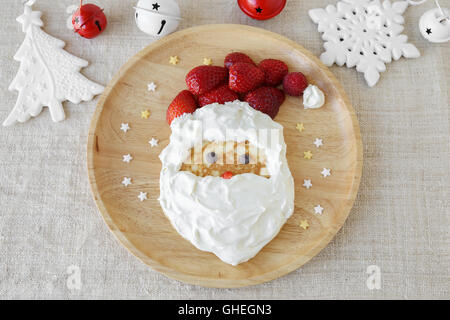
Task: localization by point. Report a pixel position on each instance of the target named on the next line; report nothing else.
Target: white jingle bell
(435, 25)
(157, 17)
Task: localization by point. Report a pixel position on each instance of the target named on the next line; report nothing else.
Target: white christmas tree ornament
(47, 74)
(365, 34)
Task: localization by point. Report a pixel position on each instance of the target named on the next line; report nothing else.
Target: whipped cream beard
(232, 218)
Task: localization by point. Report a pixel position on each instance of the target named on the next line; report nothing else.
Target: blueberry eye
(211, 157)
(244, 159)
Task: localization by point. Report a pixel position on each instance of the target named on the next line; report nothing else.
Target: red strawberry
(205, 78)
(183, 103)
(275, 71)
(236, 57)
(242, 95)
(245, 77)
(220, 95)
(295, 83)
(266, 99)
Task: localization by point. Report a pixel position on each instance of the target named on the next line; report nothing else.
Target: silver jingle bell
(157, 17)
(435, 25)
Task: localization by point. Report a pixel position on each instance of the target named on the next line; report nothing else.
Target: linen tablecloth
(51, 231)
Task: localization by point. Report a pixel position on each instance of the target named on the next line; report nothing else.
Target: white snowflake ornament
(47, 74)
(365, 34)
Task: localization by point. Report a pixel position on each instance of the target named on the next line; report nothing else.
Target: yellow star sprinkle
(300, 127)
(174, 60)
(308, 155)
(207, 61)
(304, 224)
(145, 114)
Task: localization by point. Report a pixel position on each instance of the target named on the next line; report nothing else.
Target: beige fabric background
(400, 221)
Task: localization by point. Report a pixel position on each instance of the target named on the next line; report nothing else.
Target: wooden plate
(142, 226)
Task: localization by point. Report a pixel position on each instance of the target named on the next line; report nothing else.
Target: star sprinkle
(127, 158)
(318, 142)
(142, 196)
(125, 127)
(318, 209)
(152, 86)
(207, 61)
(174, 60)
(304, 224)
(145, 114)
(307, 184)
(326, 172)
(307, 155)
(300, 127)
(126, 181)
(153, 142)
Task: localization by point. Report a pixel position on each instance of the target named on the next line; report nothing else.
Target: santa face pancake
(225, 183)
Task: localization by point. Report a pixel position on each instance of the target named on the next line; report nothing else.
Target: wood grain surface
(142, 226)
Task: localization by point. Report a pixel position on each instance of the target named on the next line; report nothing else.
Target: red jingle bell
(89, 20)
(261, 9)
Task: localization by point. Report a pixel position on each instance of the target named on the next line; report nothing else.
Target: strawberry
(227, 175)
(245, 77)
(266, 99)
(183, 103)
(295, 83)
(242, 95)
(275, 71)
(220, 95)
(236, 57)
(205, 78)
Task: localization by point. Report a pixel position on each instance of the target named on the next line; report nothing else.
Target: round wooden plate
(142, 226)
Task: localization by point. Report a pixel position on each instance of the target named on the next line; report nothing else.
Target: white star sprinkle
(126, 181)
(142, 196)
(152, 86)
(127, 158)
(307, 183)
(153, 142)
(326, 172)
(125, 127)
(318, 142)
(318, 209)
